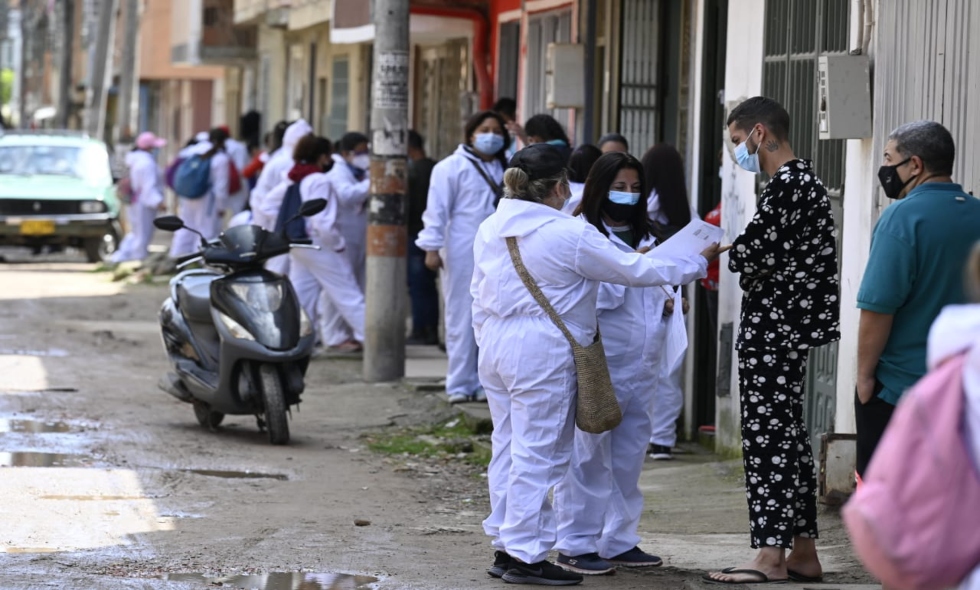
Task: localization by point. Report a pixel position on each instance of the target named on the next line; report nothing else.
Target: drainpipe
(856, 27)
(480, 46)
(591, 10)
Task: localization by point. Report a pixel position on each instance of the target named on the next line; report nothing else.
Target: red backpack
(915, 523)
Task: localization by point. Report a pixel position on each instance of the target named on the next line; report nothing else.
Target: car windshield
(89, 163)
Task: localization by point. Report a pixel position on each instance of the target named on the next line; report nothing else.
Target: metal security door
(796, 34)
(639, 83)
(440, 113)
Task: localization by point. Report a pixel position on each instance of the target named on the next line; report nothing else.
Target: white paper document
(691, 240)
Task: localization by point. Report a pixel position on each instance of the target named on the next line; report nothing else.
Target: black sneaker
(661, 453)
(589, 564)
(542, 573)
(501, 563)
(636, 557)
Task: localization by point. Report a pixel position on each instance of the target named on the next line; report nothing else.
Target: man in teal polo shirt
(918, 252)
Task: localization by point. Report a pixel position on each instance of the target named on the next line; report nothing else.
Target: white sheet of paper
(691, 240)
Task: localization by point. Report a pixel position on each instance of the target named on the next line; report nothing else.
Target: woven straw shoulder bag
(597, 409)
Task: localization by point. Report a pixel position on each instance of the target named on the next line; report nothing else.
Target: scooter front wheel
(274, 402)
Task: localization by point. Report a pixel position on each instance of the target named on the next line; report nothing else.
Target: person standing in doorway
(507, 109)
(421, 280)
(918, 250)
(464, 191)
(146, 185)
(786, 259)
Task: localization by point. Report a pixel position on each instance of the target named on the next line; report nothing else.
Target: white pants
(463, 375)
(136, 243)
(200, 214)
(527, 369)
(333, 328)
(313, 270)
(668, 402)
(599, 503)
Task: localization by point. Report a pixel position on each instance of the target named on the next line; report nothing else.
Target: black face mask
(617, 212)
(890, 182)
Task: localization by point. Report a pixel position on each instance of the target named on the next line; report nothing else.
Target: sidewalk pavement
(695, 514)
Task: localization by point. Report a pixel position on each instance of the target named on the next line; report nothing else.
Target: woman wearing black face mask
(633, 325)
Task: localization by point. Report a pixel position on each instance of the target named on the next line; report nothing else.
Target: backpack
(910, 521)
(193, 177)
(295, 229)
(171, 172)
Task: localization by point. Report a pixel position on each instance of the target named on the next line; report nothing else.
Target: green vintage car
(57, 190)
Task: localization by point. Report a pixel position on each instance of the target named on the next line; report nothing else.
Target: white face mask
(362, 161)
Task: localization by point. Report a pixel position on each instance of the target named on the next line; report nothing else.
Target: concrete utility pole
(66, 61)
(128, 76)
(96, 96)
(386, 294)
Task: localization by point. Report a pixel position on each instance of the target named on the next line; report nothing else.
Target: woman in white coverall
(463, 191)
(351, 186)
(599, 502)
(526, 364)
(326, 270)
(203, 214)
(669, 211)
(274, 172)
(147, 190)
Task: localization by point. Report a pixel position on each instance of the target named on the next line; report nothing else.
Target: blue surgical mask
(621, 198)
(746, 160)
(488, 144)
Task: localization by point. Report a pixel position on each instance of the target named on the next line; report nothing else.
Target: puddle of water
(32, 352)
(32, 459)
(236, 474)
(32, 426)
(281, 581)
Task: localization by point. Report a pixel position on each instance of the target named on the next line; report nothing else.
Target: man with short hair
(918, 250)
(786, 260)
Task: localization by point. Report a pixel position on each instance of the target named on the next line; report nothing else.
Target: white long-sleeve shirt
(567, 259)
(144, 179)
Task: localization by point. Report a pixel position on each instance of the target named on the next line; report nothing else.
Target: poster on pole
(391, 80)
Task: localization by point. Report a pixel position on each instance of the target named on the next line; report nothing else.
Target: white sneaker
(458, 398)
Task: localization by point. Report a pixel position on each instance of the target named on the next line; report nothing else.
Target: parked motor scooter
(238, 339)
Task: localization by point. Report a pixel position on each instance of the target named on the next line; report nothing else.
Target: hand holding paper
(695, 238)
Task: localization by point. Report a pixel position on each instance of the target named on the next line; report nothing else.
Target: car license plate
(37, 227)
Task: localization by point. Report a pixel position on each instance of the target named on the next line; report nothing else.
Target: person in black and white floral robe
(786, 260)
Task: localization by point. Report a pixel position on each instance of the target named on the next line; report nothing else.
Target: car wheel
(101, 249)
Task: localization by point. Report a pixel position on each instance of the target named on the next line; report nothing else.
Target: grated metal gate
(796, 34)
(639, 86)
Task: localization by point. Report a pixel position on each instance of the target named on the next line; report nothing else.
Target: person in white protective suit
(351, 186)
(463, 192)
(238, 153)
(325, 273)
(265, 209)
(526, 364)
(669, 210)
(204, 213)
(146, 185)
(599, 502)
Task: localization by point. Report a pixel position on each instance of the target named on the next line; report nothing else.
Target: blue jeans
(422, 290)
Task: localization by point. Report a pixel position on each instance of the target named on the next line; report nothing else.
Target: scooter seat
(194, 297)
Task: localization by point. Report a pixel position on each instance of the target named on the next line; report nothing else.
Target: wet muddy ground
(108, 482)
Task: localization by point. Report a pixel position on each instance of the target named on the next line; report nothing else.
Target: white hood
(955, 331)
(294, 133)
(516, 218)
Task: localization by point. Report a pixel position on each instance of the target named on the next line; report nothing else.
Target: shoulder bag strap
(515, 256)
(498, 191)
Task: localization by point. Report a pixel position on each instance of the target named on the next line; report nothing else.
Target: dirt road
(117, 486)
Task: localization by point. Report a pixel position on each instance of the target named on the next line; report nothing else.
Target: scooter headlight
(236, 329)
(305, 325)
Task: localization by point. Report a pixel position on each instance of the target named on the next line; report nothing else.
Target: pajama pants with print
(780, 481)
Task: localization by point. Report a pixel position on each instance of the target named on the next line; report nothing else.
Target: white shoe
(458, 398)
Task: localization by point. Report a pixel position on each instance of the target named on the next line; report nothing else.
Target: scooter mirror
(168, 223)
(312, 207)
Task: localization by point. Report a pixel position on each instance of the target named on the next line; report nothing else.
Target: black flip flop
(761, 578)
(798, 577)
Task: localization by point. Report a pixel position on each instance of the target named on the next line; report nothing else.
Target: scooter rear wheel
(206, 418)
(274, 402)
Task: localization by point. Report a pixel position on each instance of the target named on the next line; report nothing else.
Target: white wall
(743, 79)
